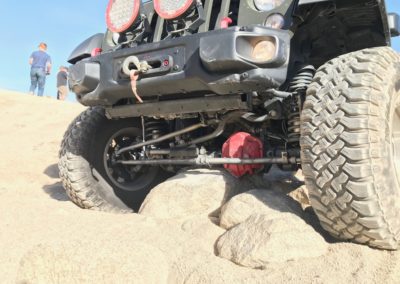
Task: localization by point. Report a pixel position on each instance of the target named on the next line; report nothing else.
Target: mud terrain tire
(82, 167)
(350, 142)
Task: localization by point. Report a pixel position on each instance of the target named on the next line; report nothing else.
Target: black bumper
(214, 62)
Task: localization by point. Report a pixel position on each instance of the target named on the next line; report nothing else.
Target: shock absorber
(298, 87)
(154, 128)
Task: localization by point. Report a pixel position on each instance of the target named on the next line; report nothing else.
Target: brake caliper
(244, 146)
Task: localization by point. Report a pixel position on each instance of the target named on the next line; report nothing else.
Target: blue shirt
(40, 59)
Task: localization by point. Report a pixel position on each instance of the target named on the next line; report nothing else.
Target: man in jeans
(62, 79)
(40, 63)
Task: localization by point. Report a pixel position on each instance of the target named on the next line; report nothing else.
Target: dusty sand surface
(44, 238)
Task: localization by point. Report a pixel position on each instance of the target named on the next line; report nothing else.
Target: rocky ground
(201, 226)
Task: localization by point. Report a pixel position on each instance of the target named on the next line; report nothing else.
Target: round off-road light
(275, 21)
(172, 9)
(122, 14)
(267, 5)
(264, 51)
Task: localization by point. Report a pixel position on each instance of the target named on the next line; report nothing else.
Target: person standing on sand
(40, 63)
(62, 78)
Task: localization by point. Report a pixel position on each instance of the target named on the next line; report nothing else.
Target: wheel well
(328, 29)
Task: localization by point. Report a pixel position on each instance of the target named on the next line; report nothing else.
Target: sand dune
(44, 238)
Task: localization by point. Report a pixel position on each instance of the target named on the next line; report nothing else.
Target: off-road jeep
(243, 84)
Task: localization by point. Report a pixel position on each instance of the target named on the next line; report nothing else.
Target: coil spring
(154, 128)
(298, 87)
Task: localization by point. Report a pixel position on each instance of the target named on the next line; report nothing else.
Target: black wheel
(351, 146)
(89, 175)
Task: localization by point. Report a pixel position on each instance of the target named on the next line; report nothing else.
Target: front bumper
(214, 62)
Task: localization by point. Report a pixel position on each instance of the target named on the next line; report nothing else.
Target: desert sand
(45, 238)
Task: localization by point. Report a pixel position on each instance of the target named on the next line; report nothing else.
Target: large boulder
(192, 193)
(261, 240)
(202, 231)
(93, 262)
(267, 202)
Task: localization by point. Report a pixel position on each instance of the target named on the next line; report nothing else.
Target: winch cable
(141, 67)
(134, 75)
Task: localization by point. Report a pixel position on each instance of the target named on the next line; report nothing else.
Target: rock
(267, 202)
(299, 176)
(204, 227)
(261, 240)
(284, 181)
(84, 262)
(191, 193)
(301, 196)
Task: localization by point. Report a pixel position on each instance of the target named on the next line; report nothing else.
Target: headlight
(267, 5)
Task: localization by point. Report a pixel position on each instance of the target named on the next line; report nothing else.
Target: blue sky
(62, 25)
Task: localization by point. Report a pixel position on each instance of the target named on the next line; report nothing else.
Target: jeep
(242, 84)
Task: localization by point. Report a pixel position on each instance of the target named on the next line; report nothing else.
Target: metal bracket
(192, 27)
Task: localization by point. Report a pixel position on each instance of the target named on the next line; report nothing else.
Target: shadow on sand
(52, 171)
(56, 190)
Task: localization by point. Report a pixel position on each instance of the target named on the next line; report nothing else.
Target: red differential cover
(242, 145)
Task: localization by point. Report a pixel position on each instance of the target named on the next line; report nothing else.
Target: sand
(44, 238)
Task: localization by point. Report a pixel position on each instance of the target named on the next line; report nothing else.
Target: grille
(214, 12)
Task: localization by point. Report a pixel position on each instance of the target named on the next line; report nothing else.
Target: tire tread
(342, 139)
(75, 171)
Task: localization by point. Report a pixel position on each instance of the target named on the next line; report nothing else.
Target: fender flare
(84, 50)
